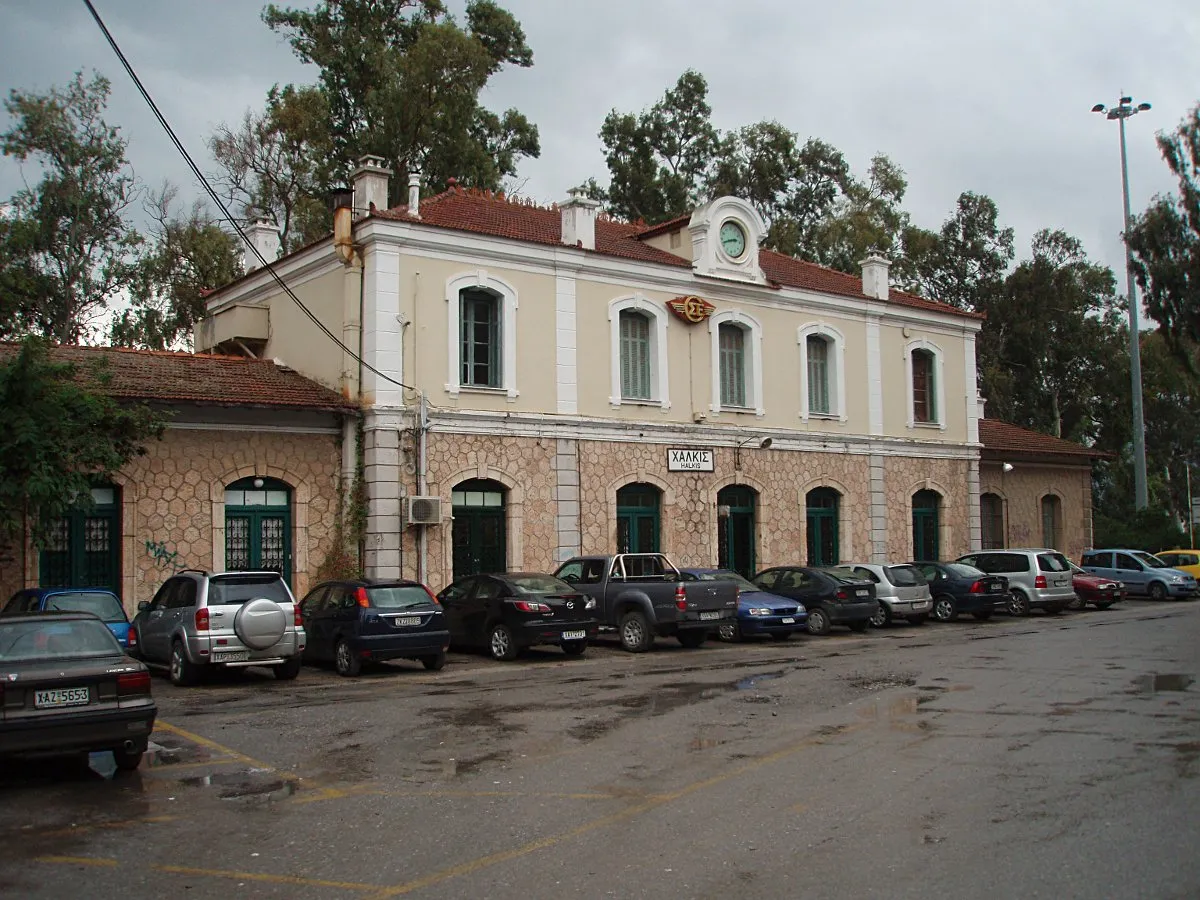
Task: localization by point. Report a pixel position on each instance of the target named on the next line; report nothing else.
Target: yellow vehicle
(1183, 560)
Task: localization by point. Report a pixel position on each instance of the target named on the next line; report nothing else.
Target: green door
(735, 529)
(478, 531)
(822, 518)
(637, 518)
(84, 548)
(258, 526)
(925, 526)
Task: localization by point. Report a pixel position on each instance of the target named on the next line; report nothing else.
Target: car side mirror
(143, 605)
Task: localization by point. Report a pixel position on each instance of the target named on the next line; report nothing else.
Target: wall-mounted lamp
(258, 482)
(763, 444)
(1006, 467)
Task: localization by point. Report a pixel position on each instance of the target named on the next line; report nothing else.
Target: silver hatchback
(1038, 578)
(902, 591)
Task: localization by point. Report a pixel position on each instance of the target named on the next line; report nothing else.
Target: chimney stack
(875, 275)
(260, 235)
(370, 181)
(414, 194)
(579, 220)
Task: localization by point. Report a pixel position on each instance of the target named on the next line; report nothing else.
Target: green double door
(735, 529)
(478, 532)
(822, 527)
(925, 526)
(258, 526)
(84, 547)
(638, 519)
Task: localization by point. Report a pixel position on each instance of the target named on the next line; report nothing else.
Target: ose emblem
(691, 309)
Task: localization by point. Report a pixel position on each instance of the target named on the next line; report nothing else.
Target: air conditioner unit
(423, 510)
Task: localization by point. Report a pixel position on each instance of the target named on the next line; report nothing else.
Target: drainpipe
(422, 483)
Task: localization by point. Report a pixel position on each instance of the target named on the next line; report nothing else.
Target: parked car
(67, 687)
(508, 612)
(758, 612)
(960, 588)
(902, 591)
(358, 621)
(199, 621)
(1038, 578)
(1142, 573)
(1184, 560)
(830, 599)
(104, 605)
(1099, 591)
(643, 595)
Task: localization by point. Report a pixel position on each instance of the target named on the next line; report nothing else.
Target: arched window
(1051, 521)
(482, 326)
(639, 358)
(991, 520)
(822, 371)
(258, 526)
(478, 533)
(638, 518)
(83, 548)
(732, 341)
(736, 362)
(635, 355)
(822, 509)
(926, 392)
(925, 522)
(480, 351)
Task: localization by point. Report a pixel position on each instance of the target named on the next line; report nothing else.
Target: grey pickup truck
(643, 595)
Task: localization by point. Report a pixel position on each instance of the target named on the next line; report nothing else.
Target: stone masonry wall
(1022, 491)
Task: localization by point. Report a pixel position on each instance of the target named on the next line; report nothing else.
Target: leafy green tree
(66, 244)
(867, 217)
(60, 431)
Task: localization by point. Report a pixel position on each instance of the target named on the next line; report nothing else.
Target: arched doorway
(83, 548)
(258, 526)
(925, 506)
(735, 529)
(638, 518)
(478, 531)
(822, 506)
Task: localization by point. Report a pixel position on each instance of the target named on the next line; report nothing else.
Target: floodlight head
(1007, 467)
(1143, 107)
(1126, 99)
(766, 442)
(1099, 107)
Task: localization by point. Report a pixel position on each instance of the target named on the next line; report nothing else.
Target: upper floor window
(923, 366)
(732, 365)
(635, 355)
(482, 319)
(822, 371)
(481, 326)
(639, 358)
(818, 375)
(737, 362)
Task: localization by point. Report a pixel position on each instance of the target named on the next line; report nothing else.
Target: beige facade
(1042, 504)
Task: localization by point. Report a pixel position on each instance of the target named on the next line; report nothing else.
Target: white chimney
(261, 236)
(579, 220)
(370, 181)
(414, 194)
(875, 276)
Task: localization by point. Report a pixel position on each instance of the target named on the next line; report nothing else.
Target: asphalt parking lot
(1005, 758)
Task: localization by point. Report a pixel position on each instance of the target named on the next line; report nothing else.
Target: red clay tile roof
(1000, 437)
(200, 378)
(484, 212)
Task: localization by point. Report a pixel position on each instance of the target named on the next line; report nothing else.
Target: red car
(1089, 588)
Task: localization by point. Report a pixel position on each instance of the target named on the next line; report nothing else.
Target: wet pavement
(1017, 757)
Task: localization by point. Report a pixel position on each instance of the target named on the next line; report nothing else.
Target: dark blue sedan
(102, 604)
(758, 612)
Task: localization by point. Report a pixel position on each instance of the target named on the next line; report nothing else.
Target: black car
(512, 611)
(368, 620)
(67, 687)
(959, 588)
(830, 599)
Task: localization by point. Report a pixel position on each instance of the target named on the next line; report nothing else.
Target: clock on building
(733, 239)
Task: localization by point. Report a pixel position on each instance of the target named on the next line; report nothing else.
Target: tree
(60, 431)
(1165, 241)
(66, 239)
(867, 217)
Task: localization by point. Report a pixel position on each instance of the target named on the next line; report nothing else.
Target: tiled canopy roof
(200, 378)
(1000, 437)
(485, 212)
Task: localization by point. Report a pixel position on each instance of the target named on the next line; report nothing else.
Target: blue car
(758, 612)
(102, 604)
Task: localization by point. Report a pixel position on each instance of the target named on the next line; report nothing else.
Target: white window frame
(939, 384)
(482, 280)
(659, 383)
(754, 367)
(836, 360)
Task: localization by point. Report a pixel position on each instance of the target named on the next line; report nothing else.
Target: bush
(1152, 530)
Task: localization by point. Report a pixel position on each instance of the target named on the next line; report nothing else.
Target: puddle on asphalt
(751, 681)
(1152, 684)
(242, 785)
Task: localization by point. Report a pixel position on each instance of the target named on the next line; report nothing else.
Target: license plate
(230, 655)
(406, 621)
(705, 616)
(862, 593)
(995, 589)
(574, 635)
(789, 621)
(61, 697)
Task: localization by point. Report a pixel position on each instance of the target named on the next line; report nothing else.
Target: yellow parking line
(128, 823)
(221, 748)
(78, 860)
(268, 878)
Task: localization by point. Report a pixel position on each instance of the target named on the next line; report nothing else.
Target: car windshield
(225, 590)
(398, 596)
(963, 570)
(101, 604)
(1152, 561)
(540, 584)
(1053, 562)
(904, 576)
(53, 638)
(727, 575)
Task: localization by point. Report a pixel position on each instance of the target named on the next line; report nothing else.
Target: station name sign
(680, 459)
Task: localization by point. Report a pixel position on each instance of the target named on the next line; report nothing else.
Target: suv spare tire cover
(260, 623)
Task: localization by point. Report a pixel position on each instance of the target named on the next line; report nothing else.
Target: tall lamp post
(1122, 111)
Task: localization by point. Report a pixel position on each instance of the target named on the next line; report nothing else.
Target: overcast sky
(989, 97)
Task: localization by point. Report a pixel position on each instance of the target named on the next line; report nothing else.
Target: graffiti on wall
(164, 557)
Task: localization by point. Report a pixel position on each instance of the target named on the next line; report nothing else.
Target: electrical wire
(266, 264)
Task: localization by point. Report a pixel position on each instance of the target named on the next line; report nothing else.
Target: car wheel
(818, 621)
(1077, 604)
(347, 663)
(730, 633)
(1158, 591)
(287, 671)
(983, 615)
(183, 671)
(503, 643)
(780, 635)
(636, 636)
(917, 620)
(1104, 604)
(882, 617)
(945, 609)
(127, 760)
(574, 648)
(692, 639)
(1018, 603)
(436, 662)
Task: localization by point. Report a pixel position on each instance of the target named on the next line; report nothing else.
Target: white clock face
(733, 239)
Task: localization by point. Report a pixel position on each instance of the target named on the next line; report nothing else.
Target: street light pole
(1122, 111)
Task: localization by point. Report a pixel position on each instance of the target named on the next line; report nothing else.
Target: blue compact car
(102, 604)
(758, 612)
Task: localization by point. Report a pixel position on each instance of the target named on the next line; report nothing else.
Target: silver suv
(200, 620)
(902, 591)
(1038, 578)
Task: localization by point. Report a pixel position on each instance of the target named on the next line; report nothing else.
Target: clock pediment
(725, 235)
